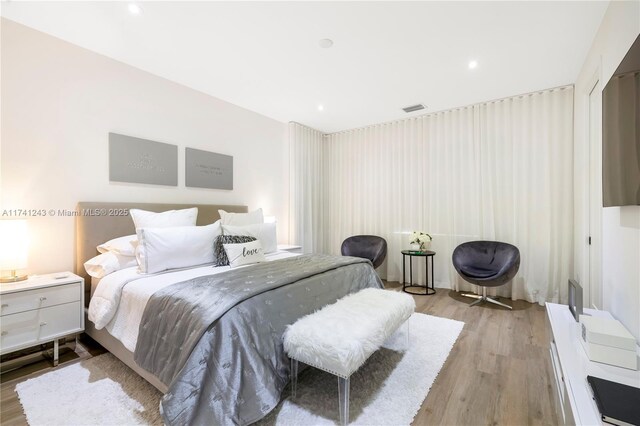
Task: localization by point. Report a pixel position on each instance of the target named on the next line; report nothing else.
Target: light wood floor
(498, 372)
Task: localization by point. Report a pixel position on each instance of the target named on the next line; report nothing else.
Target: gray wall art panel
(206, 169)
(136, 160)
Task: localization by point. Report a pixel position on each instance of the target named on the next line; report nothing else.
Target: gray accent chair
(369, 247)
(486, 264)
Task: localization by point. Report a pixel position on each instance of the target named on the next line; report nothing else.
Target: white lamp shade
(14, 244)
(269, 219)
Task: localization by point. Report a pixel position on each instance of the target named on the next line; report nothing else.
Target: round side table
(410, 285)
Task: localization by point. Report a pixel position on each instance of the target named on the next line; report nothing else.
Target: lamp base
(13, 278)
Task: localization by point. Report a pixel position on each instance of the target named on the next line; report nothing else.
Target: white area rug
(98, 391)
(389, 389)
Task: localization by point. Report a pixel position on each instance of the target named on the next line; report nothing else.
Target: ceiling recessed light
(320, 107)
(134, 9)
(473, 65)
(325, 43)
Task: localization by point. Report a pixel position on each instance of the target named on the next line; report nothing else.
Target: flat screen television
(621, 133)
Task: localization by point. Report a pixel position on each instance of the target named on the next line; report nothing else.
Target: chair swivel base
(485, 298)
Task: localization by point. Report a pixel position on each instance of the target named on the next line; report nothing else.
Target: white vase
(414, 247)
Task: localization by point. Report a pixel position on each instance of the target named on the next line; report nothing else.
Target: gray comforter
(217, 340)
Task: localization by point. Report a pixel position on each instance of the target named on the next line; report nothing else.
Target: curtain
(499, 170)
(306, 188)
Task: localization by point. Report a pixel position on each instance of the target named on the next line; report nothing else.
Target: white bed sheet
(139, 288)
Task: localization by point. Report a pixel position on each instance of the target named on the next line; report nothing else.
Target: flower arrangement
(419, 240)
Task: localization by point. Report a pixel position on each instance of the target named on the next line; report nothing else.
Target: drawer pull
(4, 305)
(42, 299)
(43, 324)
(4, 333)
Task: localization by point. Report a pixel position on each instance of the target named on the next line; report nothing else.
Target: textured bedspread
(217, 340)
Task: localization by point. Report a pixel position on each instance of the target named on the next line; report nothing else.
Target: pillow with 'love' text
(244, 253)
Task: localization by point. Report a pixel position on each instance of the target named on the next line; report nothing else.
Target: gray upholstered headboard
(92, 230)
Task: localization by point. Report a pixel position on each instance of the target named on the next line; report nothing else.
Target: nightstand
(41, 309)
(290, 248)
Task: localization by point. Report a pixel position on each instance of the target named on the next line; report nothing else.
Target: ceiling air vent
(413, 108)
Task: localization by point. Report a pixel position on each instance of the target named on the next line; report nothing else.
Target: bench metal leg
(55, 353)
(343, 397)
(294, 377)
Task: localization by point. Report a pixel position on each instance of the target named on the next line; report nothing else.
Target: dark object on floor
(486, 264)
(369, 247)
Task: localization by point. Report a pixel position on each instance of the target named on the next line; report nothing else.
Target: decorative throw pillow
(244, 254)
(263, 232)
(219, 254)
(241, 219)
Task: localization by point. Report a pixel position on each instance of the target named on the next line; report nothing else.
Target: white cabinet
(571, 366)
(40, 310)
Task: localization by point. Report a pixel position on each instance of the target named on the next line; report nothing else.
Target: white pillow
(146, 219)
(263, 232)
(160, 249)
(241, 219)
(106, 263)
(124, 246)
(244, 254)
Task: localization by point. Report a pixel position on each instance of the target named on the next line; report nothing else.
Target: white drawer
(41, 325)
(23, 301)
(559, 389)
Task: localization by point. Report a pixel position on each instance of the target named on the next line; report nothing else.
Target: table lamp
(14, 247)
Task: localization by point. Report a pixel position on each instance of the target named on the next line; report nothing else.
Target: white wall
(59, 102)
(620, 226)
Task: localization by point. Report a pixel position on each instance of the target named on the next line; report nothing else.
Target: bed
(209, 337)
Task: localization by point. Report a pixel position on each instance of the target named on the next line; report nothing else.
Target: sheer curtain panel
(306, 187)
(499, 170)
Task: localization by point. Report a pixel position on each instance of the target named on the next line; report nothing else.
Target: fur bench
(339, 338)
